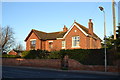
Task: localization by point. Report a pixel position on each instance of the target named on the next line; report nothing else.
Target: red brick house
(15, 52)
(12, 52)
(77, 37)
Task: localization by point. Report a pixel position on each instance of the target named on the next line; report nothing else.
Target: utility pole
(114, 19)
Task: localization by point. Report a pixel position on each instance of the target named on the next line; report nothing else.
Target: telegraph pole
(114, 19)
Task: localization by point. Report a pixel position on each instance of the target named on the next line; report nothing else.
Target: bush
(35, 54)
(85, 56)
(54, 55)
(23, 54)
(91, 56)
(10, 56)
(112, 57)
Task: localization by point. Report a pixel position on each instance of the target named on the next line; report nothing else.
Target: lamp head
(101, 8)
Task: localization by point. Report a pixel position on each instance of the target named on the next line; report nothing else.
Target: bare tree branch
(0, 40)
(19, 47)
(7, 37)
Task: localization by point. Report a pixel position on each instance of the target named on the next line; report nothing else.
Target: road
(24, 72)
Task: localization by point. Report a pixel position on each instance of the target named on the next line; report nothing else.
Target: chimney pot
(65, 29)
(90, 20)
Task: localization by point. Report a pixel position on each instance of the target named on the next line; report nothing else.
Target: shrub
(10, 56)
(35, 54)
(54, 55)
(23, 54)
(85, 56)
(91, 56)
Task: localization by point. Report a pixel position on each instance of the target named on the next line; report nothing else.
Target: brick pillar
(64, 62)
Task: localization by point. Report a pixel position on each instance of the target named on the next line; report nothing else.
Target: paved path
(24, 72)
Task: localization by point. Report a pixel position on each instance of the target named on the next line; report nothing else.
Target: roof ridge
(81, 25)
(55, 32)
(46, 32)
(38, 30)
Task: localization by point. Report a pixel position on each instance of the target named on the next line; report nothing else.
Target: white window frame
(51, 45)
(73, 39)
(31, 41)
(63, 43)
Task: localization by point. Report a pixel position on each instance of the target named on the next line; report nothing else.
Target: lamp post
(102, 9)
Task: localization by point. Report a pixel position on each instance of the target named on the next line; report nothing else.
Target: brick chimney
(90, 25)
(65, 29)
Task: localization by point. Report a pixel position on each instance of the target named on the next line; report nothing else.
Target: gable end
(74, 24)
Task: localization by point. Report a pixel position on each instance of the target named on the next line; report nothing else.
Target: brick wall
(56, 63)
(73, 33)
(51, 63)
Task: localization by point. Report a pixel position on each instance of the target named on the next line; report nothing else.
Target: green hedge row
(91, 56)
(87, 57)
(10, 56)
(84, 56)
(35, 54)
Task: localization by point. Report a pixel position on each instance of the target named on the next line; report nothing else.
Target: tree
(117, 41)
(19, 47)
(7, 38)
(114, 44)
(110, 42)
(0, 40)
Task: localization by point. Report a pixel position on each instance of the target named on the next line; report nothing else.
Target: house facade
(77, 37)
(15, 52)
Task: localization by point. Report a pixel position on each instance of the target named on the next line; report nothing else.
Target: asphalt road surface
(37, 73)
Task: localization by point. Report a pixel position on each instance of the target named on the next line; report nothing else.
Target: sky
(119, 12)
(52, 16)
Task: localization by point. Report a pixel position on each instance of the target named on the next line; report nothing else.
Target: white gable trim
(77, 27)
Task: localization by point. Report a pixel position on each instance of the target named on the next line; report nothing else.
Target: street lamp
(102, 9)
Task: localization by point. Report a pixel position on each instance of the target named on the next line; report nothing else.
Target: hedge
(84, 56)
(35, 54)
(10, 56)
(91, 56)
(54, 55)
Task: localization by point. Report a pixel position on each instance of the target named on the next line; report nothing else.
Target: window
(63, 44)
(32, 44)
(50, 45)
(75, 41)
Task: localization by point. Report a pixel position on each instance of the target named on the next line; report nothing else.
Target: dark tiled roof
(40, 34)
(86, 30)
(54, 35)
(81, 26)
(48, 36)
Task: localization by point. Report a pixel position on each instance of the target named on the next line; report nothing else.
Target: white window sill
(63, 47)
(75, 47)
